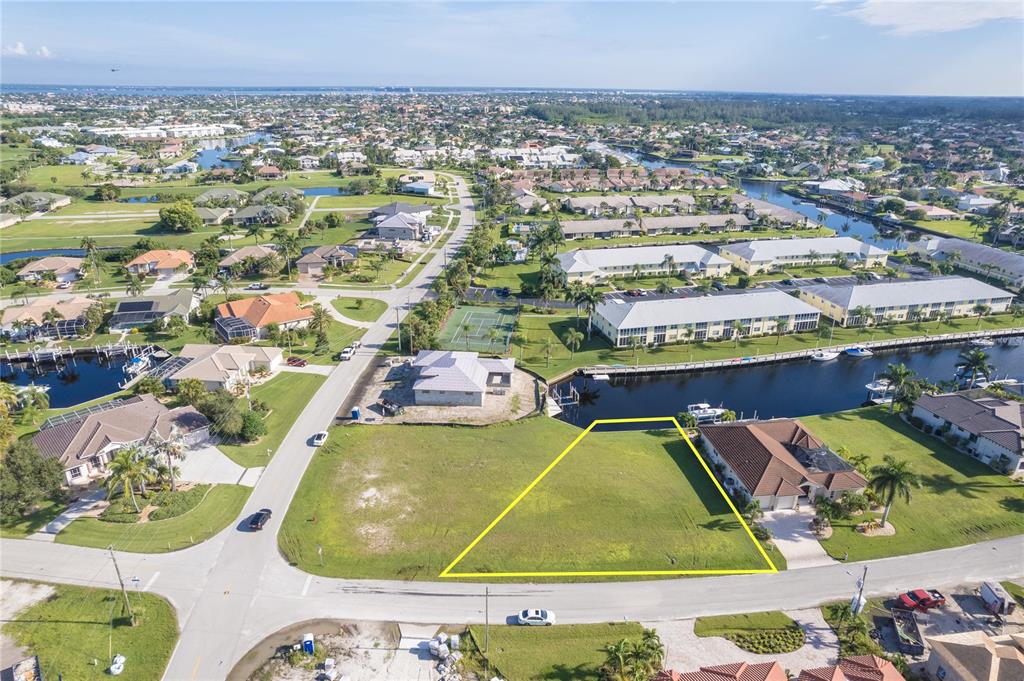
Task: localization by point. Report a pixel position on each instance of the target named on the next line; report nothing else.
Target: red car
(921, 599)
(296, 362)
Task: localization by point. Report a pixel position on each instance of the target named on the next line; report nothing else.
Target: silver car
(538, 618)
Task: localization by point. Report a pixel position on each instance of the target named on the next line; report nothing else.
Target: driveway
(76, 510)
(794, 538)
(206, 463)
(685, 651)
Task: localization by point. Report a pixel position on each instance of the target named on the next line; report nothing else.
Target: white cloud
(44, 52)
(906, 17)
(16, 50)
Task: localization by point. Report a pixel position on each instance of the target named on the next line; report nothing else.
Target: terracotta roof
(860, 668)
(737, 671)
(275, 308)
(164, 259)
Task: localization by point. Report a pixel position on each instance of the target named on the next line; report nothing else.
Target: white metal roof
(762, 303)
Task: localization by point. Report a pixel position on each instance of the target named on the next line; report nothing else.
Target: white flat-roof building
(996, 263)
(754, 257)
(597, 264)
(896, 301)
(674, 320)
(451, 378)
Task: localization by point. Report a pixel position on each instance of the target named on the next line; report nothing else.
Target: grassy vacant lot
(535, 329)
(767, 633)
(77, 625)
(338, 336)
(567, 652)
(960, 501)
(360, 309)
(286, 395)
(962, 229)
(633, 500)
(220, 507)
(374, 200)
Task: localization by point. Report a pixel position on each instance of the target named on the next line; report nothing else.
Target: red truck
(921, 599)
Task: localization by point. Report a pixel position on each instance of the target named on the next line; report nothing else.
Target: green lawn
(1015, 590)
(218, 510)
(77, 625)
(287, 395)
(33, 522)
(960, 501)
(338, 336)
(962, 229)
(365, 500)
(768, 633)
(102, 208)
(535, 329)
(360, 309)
(567, 652)
(375, 200)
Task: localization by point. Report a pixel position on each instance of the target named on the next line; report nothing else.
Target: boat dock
(768, 358)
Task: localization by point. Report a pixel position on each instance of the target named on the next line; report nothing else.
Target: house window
(76, 472)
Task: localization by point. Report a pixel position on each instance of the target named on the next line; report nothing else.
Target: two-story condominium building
(903, 300)
(1004, 266)
(989, 428)
(669, 224)
(597, 264)
(754, 257)
(676, 320)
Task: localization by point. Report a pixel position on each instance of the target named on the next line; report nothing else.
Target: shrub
(253, 426)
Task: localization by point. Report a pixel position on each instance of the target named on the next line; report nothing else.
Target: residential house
(420, 211)
(213, 216)
(180, 168)
(778, 463)
(85, 441)
(336, 255)
(420, 187)
(526, 201)
(140, 311)
(277, 195)
(221, 196)
(859, 668)
(64, 268)
(249, 318)
(98, 150)
(79, 158)
(29, 320)
(976, 204)
(170, 148)
(225, 366)
(35, 202)
(595, 206)
(975, 656)
(736, 671)
(269, 172)
(257, 214)
(161, 262)
(996, 263)
(904, 300)
(9, 219)
(307, 162)
(402, 226)
(664, 203)
(989, 428)
(599, 264)
(674, 320)
(755, 257)
(450, 378)
(245, 254)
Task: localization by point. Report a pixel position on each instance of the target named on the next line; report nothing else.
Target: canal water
(74, 381)
(8, 256)
(326, 191)
(796, 388)
(212, 152)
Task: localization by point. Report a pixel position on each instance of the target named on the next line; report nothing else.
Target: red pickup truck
(921, 599)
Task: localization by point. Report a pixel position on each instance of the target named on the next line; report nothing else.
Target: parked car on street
(536, 618)
(257, 286)
(346, 354)
(319, 438)
(718, 286)
(259, 519)
(921, 599)
(64, 285)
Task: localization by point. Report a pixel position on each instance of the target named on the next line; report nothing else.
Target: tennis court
(482, 329)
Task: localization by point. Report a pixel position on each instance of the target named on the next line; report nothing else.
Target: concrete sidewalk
(74, 511)
(793, 536)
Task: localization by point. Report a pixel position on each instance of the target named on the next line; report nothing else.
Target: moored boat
(824, 355)
(858, 351)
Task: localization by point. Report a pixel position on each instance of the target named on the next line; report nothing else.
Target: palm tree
(172, 449)
(127, 469)
(134, 285)
(670, 264)
(890, 480)
(900, 378)
(228, 231)
(737, 330)
(572, 339)
(976, 362)
(664, 286)
(616, 657)
(863, 313)
(589, 299)
(781, 327)
(572, 295)
(636, 272)
(256, 230)
(320, 321)
(635, 343)
(88, 244)
(8, 398)
(224, 284)
(547, 346)
(981, 310)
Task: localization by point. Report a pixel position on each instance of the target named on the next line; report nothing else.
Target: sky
(892, 47)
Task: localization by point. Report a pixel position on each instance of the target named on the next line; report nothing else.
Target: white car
(536, 618)
(347, 353)
(320, 438)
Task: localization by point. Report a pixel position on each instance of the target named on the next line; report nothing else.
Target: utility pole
(398, 320)
(124, 592)
(487, 626)
(858, 601)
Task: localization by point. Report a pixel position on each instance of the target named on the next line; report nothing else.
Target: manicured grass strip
(765, 633)
(218, 510)
(287, 395)
(960, 501)
(33, 522)
(360, 309)
(573, 652)
(77, 625)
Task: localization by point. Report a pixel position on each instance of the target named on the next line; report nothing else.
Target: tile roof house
(419, 210)
(270, 173)
(451, 378)
(778, 463)
(27, 320)
(223, 366)
(36, 202)
(976, 656)
(85, 441)
(249, 317)
(336, 255)
(736, 671)
(402, 226)
(222, 196)
(161, 262)
(213, 216)
(240, 255)
(989, 428)
(259, 214)
(64, 268)
(139, 311)
(859, 668)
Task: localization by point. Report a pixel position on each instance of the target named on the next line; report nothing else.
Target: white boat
(982, 342)
(824, 355)
(881, 385)
(704, 412)
(858, 351)
(601, 377)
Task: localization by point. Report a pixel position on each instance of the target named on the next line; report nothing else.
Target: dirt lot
(15, 597)
(394, 382)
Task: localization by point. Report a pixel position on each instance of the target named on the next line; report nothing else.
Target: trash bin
(307, 644)
(355, 413)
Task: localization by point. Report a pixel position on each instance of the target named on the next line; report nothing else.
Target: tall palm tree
(890, 480)
(134, 285)
(8, 398)
(257, 230)
(900, 378)
(224, 285)
(572, 295)
(321, 319)
(976, 362)
(737, 331)
(863, 314)
(88, 244)
(572, 339)
(981, 310)
(172, 449)
(589, 299)
(781, 327)
(127, 469)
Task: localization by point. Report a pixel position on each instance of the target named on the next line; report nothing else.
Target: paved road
(235, 589)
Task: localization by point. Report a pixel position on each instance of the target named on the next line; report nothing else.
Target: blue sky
(829, 46)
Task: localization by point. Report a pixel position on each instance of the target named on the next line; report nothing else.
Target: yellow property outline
(447, 572)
